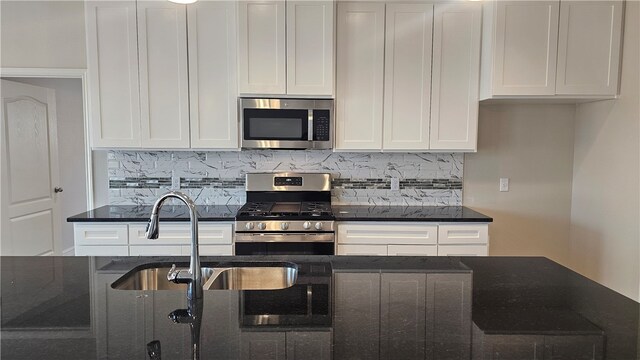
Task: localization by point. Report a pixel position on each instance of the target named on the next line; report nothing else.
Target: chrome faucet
(192, 277)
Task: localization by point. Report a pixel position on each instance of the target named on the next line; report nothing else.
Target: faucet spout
(194, 277)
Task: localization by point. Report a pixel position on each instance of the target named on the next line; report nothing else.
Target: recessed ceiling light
(183, 1)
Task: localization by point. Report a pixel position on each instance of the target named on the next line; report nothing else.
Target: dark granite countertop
(64, 308)
(133, 213)
(408, 213)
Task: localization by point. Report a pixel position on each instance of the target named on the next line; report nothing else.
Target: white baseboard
(69, 252)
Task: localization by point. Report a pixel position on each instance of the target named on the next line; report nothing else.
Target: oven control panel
(287, 181)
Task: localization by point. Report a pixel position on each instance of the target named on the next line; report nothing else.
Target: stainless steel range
(286, 213)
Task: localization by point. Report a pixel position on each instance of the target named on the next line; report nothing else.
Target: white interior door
(30, 219)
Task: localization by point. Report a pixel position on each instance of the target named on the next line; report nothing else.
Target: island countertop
(378, 307)
(140, 213)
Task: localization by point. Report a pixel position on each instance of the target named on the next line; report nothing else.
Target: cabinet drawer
(157, 250)
(463, 234)
(388, 233)
(412, 250)
(463, 250)
(210, 250)
(99, 234)
(180, 233)
(120, 250)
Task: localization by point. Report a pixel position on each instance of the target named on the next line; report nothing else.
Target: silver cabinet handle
(58, 189)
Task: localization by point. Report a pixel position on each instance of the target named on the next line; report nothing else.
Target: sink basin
(242, 277)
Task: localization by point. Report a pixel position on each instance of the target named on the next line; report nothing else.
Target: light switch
(504, 184)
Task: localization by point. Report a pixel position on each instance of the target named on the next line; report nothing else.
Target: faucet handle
(179, 276)
(173, 273)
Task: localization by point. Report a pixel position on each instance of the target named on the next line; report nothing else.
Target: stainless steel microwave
(286, 123)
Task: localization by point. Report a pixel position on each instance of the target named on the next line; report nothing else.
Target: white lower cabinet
(412, 239)
(370, 250)
(102, 250)
(463, 250)
(128, 239)
(412, 250)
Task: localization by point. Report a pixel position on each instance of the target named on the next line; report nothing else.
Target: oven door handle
(285, 237)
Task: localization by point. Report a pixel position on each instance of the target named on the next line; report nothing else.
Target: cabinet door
(261, 34)
(262, 346)
(213, 75)
(526, 40)
(309, 345)
(164, 93)
(120, 320)
(448, 316)
(412, 250)
(509, 347)
(588, 347)
(356, 327)
(102, 250)
(367, 250)
(456, 76)
(402, 316)
(407, 76)
(155, 250)
(360, 69)
(589, 47)
(209, 250)
(112, 61)
(310, 48)
(463, 250)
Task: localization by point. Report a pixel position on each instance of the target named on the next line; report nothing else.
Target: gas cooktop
(310, 210)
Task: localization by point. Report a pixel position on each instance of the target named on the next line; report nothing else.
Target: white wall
(71, 148)
(47, 34)
(532, 144)
(605, 237)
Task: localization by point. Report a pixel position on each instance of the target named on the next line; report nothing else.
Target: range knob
(306, 225)
(249, 226)
(284, 225)
(318, 226)
(262, 226)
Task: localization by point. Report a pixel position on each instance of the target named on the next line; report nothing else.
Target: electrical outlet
(504, 184)
(175, 183)
(395, 184)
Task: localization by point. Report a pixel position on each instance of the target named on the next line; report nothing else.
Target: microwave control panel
(321, 125)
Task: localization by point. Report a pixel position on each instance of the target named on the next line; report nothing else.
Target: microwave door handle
(310, 125)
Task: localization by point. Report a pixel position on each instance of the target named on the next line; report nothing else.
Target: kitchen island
(340, 308)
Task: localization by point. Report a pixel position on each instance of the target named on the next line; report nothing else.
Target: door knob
(58, 189)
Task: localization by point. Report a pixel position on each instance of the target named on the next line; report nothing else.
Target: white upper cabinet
(213, 74)
(456, 76)
(589, 47)
(524, 37)
(164, 93)
(262, 54)
(407, 76)
(310, 58)
(288, 54)
(544, 49)
(360, 75)
(428, 81)
(112, 58)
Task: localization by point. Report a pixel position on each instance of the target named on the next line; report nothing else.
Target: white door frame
(81, 74)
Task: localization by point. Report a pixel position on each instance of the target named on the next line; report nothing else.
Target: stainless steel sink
(242, 277)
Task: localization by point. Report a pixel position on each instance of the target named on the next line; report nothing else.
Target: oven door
(285, 243)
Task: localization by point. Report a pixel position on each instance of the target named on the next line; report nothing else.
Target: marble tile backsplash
(137, 177)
